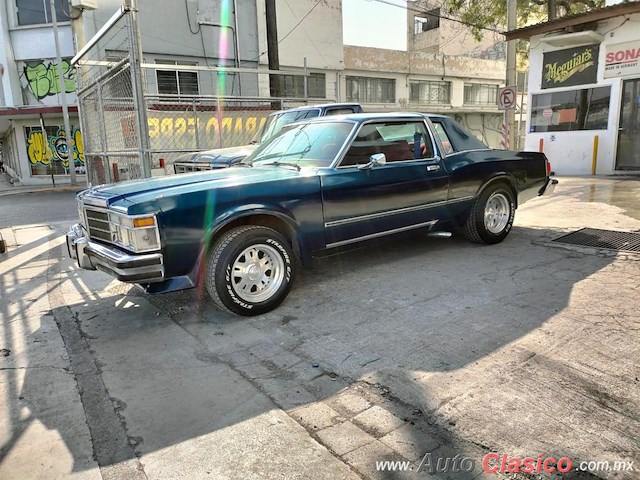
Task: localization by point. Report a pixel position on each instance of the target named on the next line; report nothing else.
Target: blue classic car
(319, 184)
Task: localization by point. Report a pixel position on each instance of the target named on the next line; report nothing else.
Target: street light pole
(63, 96)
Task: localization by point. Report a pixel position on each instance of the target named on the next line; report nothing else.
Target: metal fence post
(135, 52)
(103, 133)
(195, 124)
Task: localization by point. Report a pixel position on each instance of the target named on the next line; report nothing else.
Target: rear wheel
(491, 216)
(250, 270)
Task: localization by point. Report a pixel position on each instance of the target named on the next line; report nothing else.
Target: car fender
(500, 177)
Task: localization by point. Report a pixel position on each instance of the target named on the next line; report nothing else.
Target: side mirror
(375, 160)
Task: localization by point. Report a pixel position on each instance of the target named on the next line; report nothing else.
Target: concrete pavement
(8, 188)
(384, 352)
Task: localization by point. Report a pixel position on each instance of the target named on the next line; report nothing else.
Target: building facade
(31, 124)
(584, 90)
(444, 70)
(172, 33)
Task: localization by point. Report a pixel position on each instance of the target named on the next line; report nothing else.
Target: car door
(361, 201)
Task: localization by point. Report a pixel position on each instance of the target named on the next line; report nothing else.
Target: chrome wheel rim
(257, 273)
(496, 213)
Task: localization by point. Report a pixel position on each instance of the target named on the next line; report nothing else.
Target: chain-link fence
(137, 118)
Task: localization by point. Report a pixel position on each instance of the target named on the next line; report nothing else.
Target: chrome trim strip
(408, 118)
(95, 202)
(381, 234)
(453, 154)
(370, 216)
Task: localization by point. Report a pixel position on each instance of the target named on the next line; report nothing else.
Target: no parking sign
(507, 98)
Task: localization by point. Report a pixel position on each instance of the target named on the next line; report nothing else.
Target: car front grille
(191, 167)
(98, 225)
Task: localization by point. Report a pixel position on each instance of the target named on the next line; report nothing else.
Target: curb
(19, 190)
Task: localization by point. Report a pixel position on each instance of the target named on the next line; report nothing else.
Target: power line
(291, 31)
(468, 24)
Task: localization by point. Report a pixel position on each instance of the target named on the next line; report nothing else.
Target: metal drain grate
(609, 239)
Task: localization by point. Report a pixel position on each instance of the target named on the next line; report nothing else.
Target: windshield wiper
(278, 163)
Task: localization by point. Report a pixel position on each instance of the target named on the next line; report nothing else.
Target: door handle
(433, 168)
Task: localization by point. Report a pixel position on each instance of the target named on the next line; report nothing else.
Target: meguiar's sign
(573, 66)
(622, 59)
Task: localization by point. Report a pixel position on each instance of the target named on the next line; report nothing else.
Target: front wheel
(250, 270)
(491, 216)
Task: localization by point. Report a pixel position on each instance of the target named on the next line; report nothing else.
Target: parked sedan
(226, 157)
(244, 231)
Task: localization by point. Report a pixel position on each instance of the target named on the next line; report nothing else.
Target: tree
(493, 13)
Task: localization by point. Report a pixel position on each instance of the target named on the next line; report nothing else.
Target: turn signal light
(144, 222)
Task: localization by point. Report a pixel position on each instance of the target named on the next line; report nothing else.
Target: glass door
(628, 155)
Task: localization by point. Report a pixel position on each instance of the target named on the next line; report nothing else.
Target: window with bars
(176, 81)
(481, 93)
(36, 12)
(294, 85)
(430, 92)
(371, 90)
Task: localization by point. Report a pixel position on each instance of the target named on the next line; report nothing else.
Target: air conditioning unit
(84, 4)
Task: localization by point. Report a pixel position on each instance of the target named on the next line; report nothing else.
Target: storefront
(584, 91)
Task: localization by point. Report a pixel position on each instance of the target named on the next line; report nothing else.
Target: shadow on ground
(415, 321)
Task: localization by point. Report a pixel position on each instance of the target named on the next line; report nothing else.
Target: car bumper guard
(126, 267)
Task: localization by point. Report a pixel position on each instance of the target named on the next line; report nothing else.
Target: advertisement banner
(573, 66)
(622, 59)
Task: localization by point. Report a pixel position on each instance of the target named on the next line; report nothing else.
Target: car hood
(218, 155)
(149, 188)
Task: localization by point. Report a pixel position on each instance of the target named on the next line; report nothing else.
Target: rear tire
(491, 216)
(250, 270)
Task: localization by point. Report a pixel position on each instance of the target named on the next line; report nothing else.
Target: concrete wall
(570, 153)
(32, 45)
(451, 38)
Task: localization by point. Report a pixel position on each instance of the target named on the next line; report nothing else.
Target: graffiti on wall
(42, 78)
(54, 147)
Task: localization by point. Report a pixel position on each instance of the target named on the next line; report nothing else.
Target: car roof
(320, 105)
(364, 117)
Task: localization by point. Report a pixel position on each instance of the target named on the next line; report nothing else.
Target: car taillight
(548, 167)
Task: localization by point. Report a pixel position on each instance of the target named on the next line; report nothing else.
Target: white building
(29, 92)
(584, 85)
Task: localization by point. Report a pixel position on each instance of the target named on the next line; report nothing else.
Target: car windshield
(309, 144)
(277, 121)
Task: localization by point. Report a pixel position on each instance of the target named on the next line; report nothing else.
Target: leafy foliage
(493, 13)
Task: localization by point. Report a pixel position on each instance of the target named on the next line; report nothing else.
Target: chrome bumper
(126, 267)
(549, 186)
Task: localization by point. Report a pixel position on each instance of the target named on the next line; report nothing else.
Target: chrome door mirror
(375, 160)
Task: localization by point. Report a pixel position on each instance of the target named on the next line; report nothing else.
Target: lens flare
(209, 213)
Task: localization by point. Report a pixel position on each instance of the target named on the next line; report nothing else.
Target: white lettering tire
(491, 216)
(250, 270)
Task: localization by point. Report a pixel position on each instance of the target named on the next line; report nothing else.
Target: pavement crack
(112, 447)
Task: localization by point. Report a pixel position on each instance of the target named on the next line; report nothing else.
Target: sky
(370, 23)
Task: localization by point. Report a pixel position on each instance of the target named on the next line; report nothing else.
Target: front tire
(250, 270)
(491, 216)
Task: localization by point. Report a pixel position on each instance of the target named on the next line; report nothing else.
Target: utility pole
(275, 81)
(552, 10)
(511, 69)
(63, 97)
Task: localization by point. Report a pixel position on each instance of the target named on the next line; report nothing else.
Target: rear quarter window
(459, 138)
